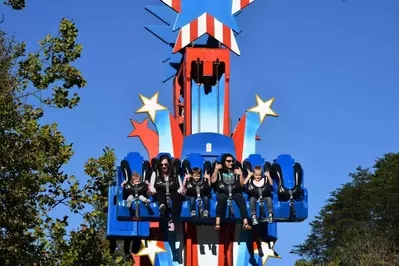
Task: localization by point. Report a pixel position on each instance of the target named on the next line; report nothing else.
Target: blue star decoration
(219, 9)
(204, 14)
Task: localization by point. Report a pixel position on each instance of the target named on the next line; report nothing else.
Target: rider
(158, 186)
(225, 175)
(257, 187)
(194, 181)
(134, 188)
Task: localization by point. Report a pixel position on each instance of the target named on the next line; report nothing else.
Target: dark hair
(197, 170)
(223, 160)
(161, 158)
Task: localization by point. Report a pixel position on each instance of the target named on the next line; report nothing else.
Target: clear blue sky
(332, 66)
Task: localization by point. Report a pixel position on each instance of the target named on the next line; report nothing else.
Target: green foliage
(32, 155)
(358, 225)
(16, 4)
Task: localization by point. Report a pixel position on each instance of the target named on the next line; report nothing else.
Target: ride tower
(200, 35)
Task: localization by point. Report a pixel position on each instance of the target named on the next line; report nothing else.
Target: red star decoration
(148, 137)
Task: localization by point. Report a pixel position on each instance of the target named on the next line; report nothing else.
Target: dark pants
(205, 202)
(176, 202)
(222, 204)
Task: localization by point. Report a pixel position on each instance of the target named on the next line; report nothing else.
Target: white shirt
(259, 183)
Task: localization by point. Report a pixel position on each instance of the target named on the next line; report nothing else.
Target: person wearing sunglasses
(164, 181)
(227, 181)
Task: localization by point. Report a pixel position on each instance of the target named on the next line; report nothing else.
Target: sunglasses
(164, 164)
(229, 161)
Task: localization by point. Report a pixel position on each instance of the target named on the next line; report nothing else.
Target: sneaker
(162, 210)
(206, 214)
(270, 218)
(193, 213)
(147, 203)
(171, 226)
(255, 221)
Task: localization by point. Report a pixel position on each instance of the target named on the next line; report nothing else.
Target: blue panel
(196, 143)
(164, 13)
(255, 159)
(163, 33)
(196, 160)
(135, 161)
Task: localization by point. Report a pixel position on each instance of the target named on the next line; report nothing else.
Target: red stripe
(226, 36)
(178, 42)
(222, 246)
(210, 25)
(194, 30)
(176, 5)
(244, 3)
(238, 137)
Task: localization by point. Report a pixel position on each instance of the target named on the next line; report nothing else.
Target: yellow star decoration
(150, 106)
(151, 250)
(263, 108)
(268, 251)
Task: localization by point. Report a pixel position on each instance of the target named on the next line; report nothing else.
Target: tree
(16, 4)
(32, 182)
(358, 225)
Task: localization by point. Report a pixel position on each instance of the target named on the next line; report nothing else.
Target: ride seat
(193, 160)
(292, 198)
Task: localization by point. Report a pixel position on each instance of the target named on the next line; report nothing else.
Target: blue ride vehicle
(203, 150)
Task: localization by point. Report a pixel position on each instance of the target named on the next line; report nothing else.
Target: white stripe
(185, 35)
(202, 25)
(236, 244)
(236, 6)
(168, 2)
(234, 45)
(218, 30)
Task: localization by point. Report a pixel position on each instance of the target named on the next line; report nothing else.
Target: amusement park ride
(199, 131)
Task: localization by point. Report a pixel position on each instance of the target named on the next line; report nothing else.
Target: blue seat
(257, 160)
(291, 174)
(115, 227)
(136, 163)
(151, 213)
(195, 160)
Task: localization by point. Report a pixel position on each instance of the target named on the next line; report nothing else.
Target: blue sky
(332, 66)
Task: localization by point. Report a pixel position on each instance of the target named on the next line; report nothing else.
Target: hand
(250, 173)
(238, 171)
(218, 166)
(123, 183)
(267, 174)
(181, 190)
(207, 176)
(151, 190)
(187, 176)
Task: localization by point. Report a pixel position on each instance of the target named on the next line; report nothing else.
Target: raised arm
(186, 177)
(215, 173)
(239, 172)
(248, 177)
(152, 181)
(207, 178)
